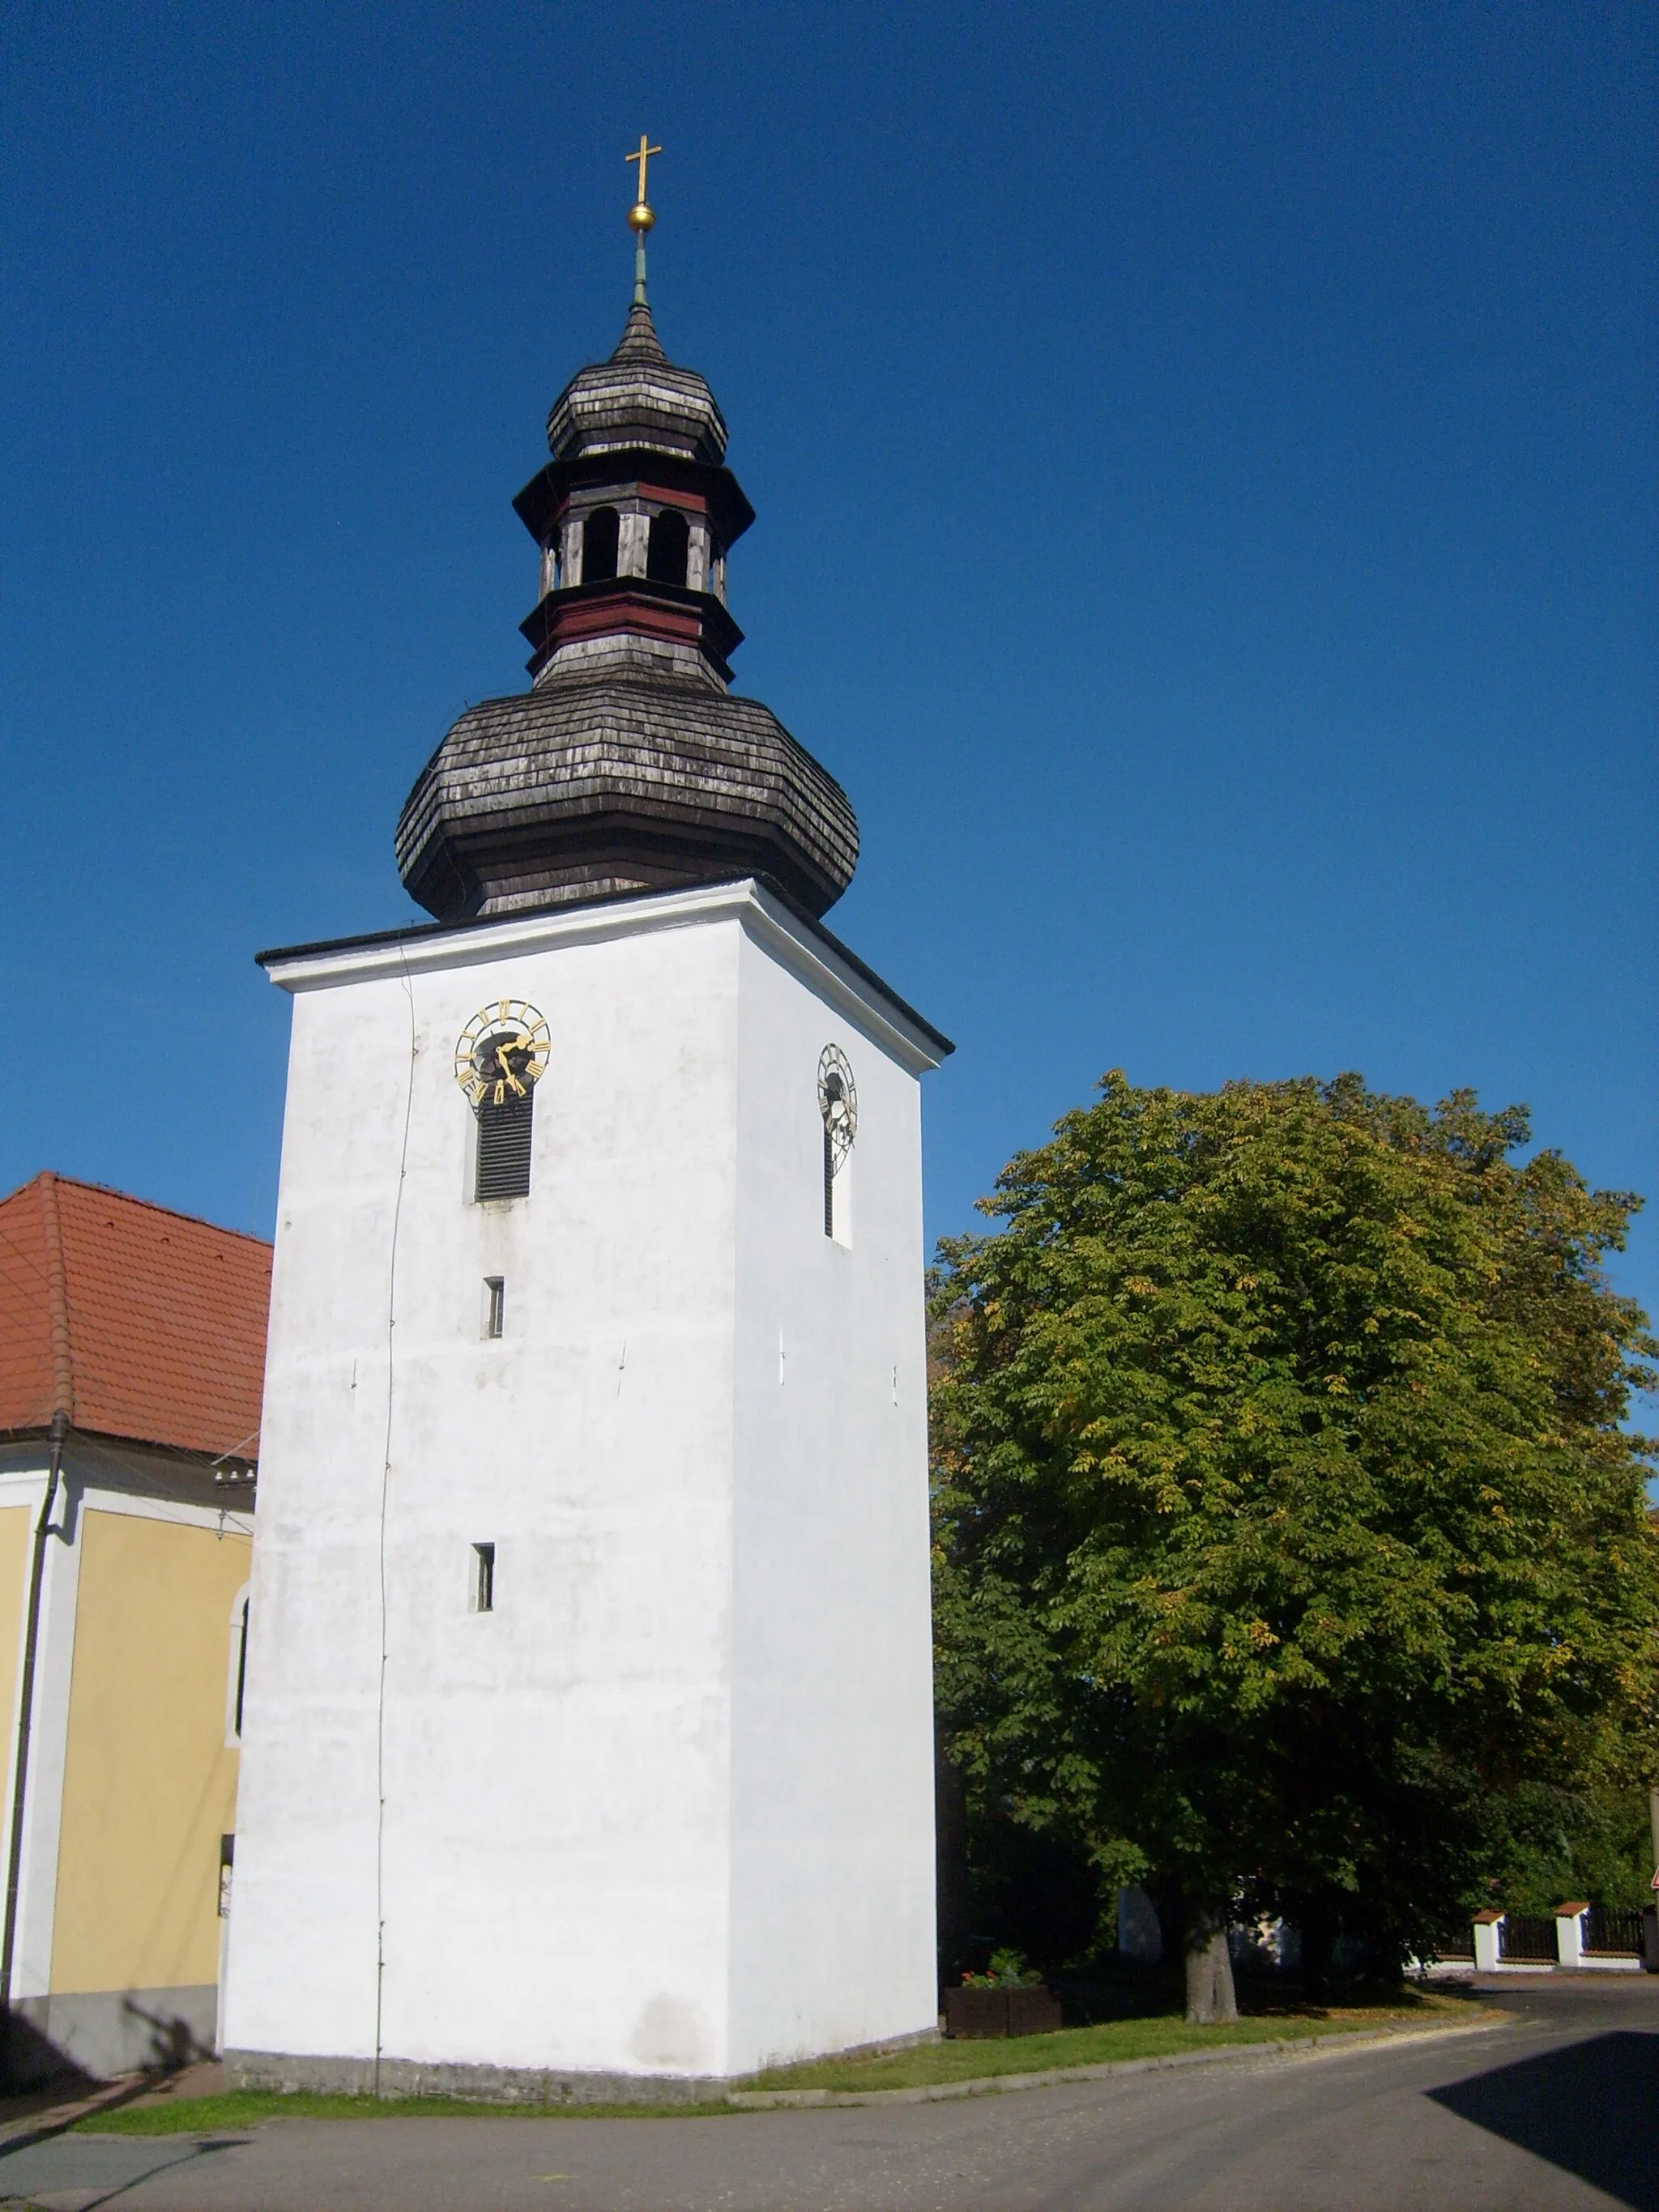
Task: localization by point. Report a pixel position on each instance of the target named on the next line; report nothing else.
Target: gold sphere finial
(640, 218)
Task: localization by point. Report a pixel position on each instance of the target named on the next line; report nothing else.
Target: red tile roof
(137, 1323)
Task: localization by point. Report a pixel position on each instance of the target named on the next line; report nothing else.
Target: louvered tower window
(504, 1132)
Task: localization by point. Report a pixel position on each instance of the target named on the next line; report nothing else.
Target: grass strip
(1160, 2036)
(235, 2109)
(917, 2066)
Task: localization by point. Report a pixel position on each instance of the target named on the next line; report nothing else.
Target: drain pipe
(43, 1528)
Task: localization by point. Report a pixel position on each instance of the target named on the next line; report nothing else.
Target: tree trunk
(1210, 1995)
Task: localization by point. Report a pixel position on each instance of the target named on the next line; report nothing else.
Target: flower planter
(1010, 2011)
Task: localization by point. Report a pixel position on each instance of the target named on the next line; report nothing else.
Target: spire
(639, 340)
(630, 766)
(637, 400)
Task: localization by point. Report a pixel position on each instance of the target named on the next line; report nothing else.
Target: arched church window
(670, 547)
(838, 1105)
(599, 536)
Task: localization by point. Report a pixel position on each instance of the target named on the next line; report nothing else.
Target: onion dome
(629, 765)
(637, 399)
(593, 785)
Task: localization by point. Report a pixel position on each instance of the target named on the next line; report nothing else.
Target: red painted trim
(644, 617)
(692, 502)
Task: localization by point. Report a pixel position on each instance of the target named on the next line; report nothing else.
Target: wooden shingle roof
(608, 783)
(637, 401)
(135, 1321)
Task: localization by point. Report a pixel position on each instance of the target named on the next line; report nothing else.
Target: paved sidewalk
(1554, 2114)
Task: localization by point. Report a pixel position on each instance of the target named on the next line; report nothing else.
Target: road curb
(1281, 2048)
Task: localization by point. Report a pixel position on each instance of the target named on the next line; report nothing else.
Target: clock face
(838, 1101)
(502, 1050)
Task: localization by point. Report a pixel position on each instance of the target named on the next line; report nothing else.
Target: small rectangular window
(495, 1305)
(483, 1578)
(227, 1860)
(504, 1134)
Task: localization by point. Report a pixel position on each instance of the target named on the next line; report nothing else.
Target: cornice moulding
(812, 954)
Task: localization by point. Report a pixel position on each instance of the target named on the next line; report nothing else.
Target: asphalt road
(1556, 2112)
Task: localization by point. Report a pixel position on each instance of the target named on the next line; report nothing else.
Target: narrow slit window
(495, 1305)
(504, 1135)
(483, 1578)
(236, 1668)
(838, 1196)
(241, 1671)
(838, 1104)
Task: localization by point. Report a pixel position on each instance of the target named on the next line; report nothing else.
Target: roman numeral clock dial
(502, 1050)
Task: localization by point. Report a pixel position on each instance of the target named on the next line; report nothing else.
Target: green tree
(1594, 1842)
(1285, 1524)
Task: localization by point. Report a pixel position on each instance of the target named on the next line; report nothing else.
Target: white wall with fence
(1578, 1935)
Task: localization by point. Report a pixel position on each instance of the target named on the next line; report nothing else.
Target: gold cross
(642, 157)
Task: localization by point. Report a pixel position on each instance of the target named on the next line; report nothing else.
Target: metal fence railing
(1612, 1934)
(1525, 1938)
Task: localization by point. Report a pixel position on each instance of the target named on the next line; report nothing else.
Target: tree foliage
(1594, 1842)
(1285, 1523)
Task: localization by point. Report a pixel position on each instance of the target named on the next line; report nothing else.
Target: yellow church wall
(150, 1784)
(16, 1522)
(14, 1569)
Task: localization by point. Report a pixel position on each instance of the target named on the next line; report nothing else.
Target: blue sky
(1205, 457)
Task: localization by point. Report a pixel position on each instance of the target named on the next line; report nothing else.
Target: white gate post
(1570, 1934)
(1486, 1942)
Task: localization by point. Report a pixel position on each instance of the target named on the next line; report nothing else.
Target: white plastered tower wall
(666, 1810)
(832, 1786)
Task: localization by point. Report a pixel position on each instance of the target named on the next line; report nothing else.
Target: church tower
(587, 1726)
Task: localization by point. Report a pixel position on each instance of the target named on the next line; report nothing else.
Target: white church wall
(553, 1872)
(832, 1820)
(594, 1830)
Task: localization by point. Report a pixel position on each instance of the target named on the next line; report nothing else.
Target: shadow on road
(1589, 2109)
(100, 2169)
